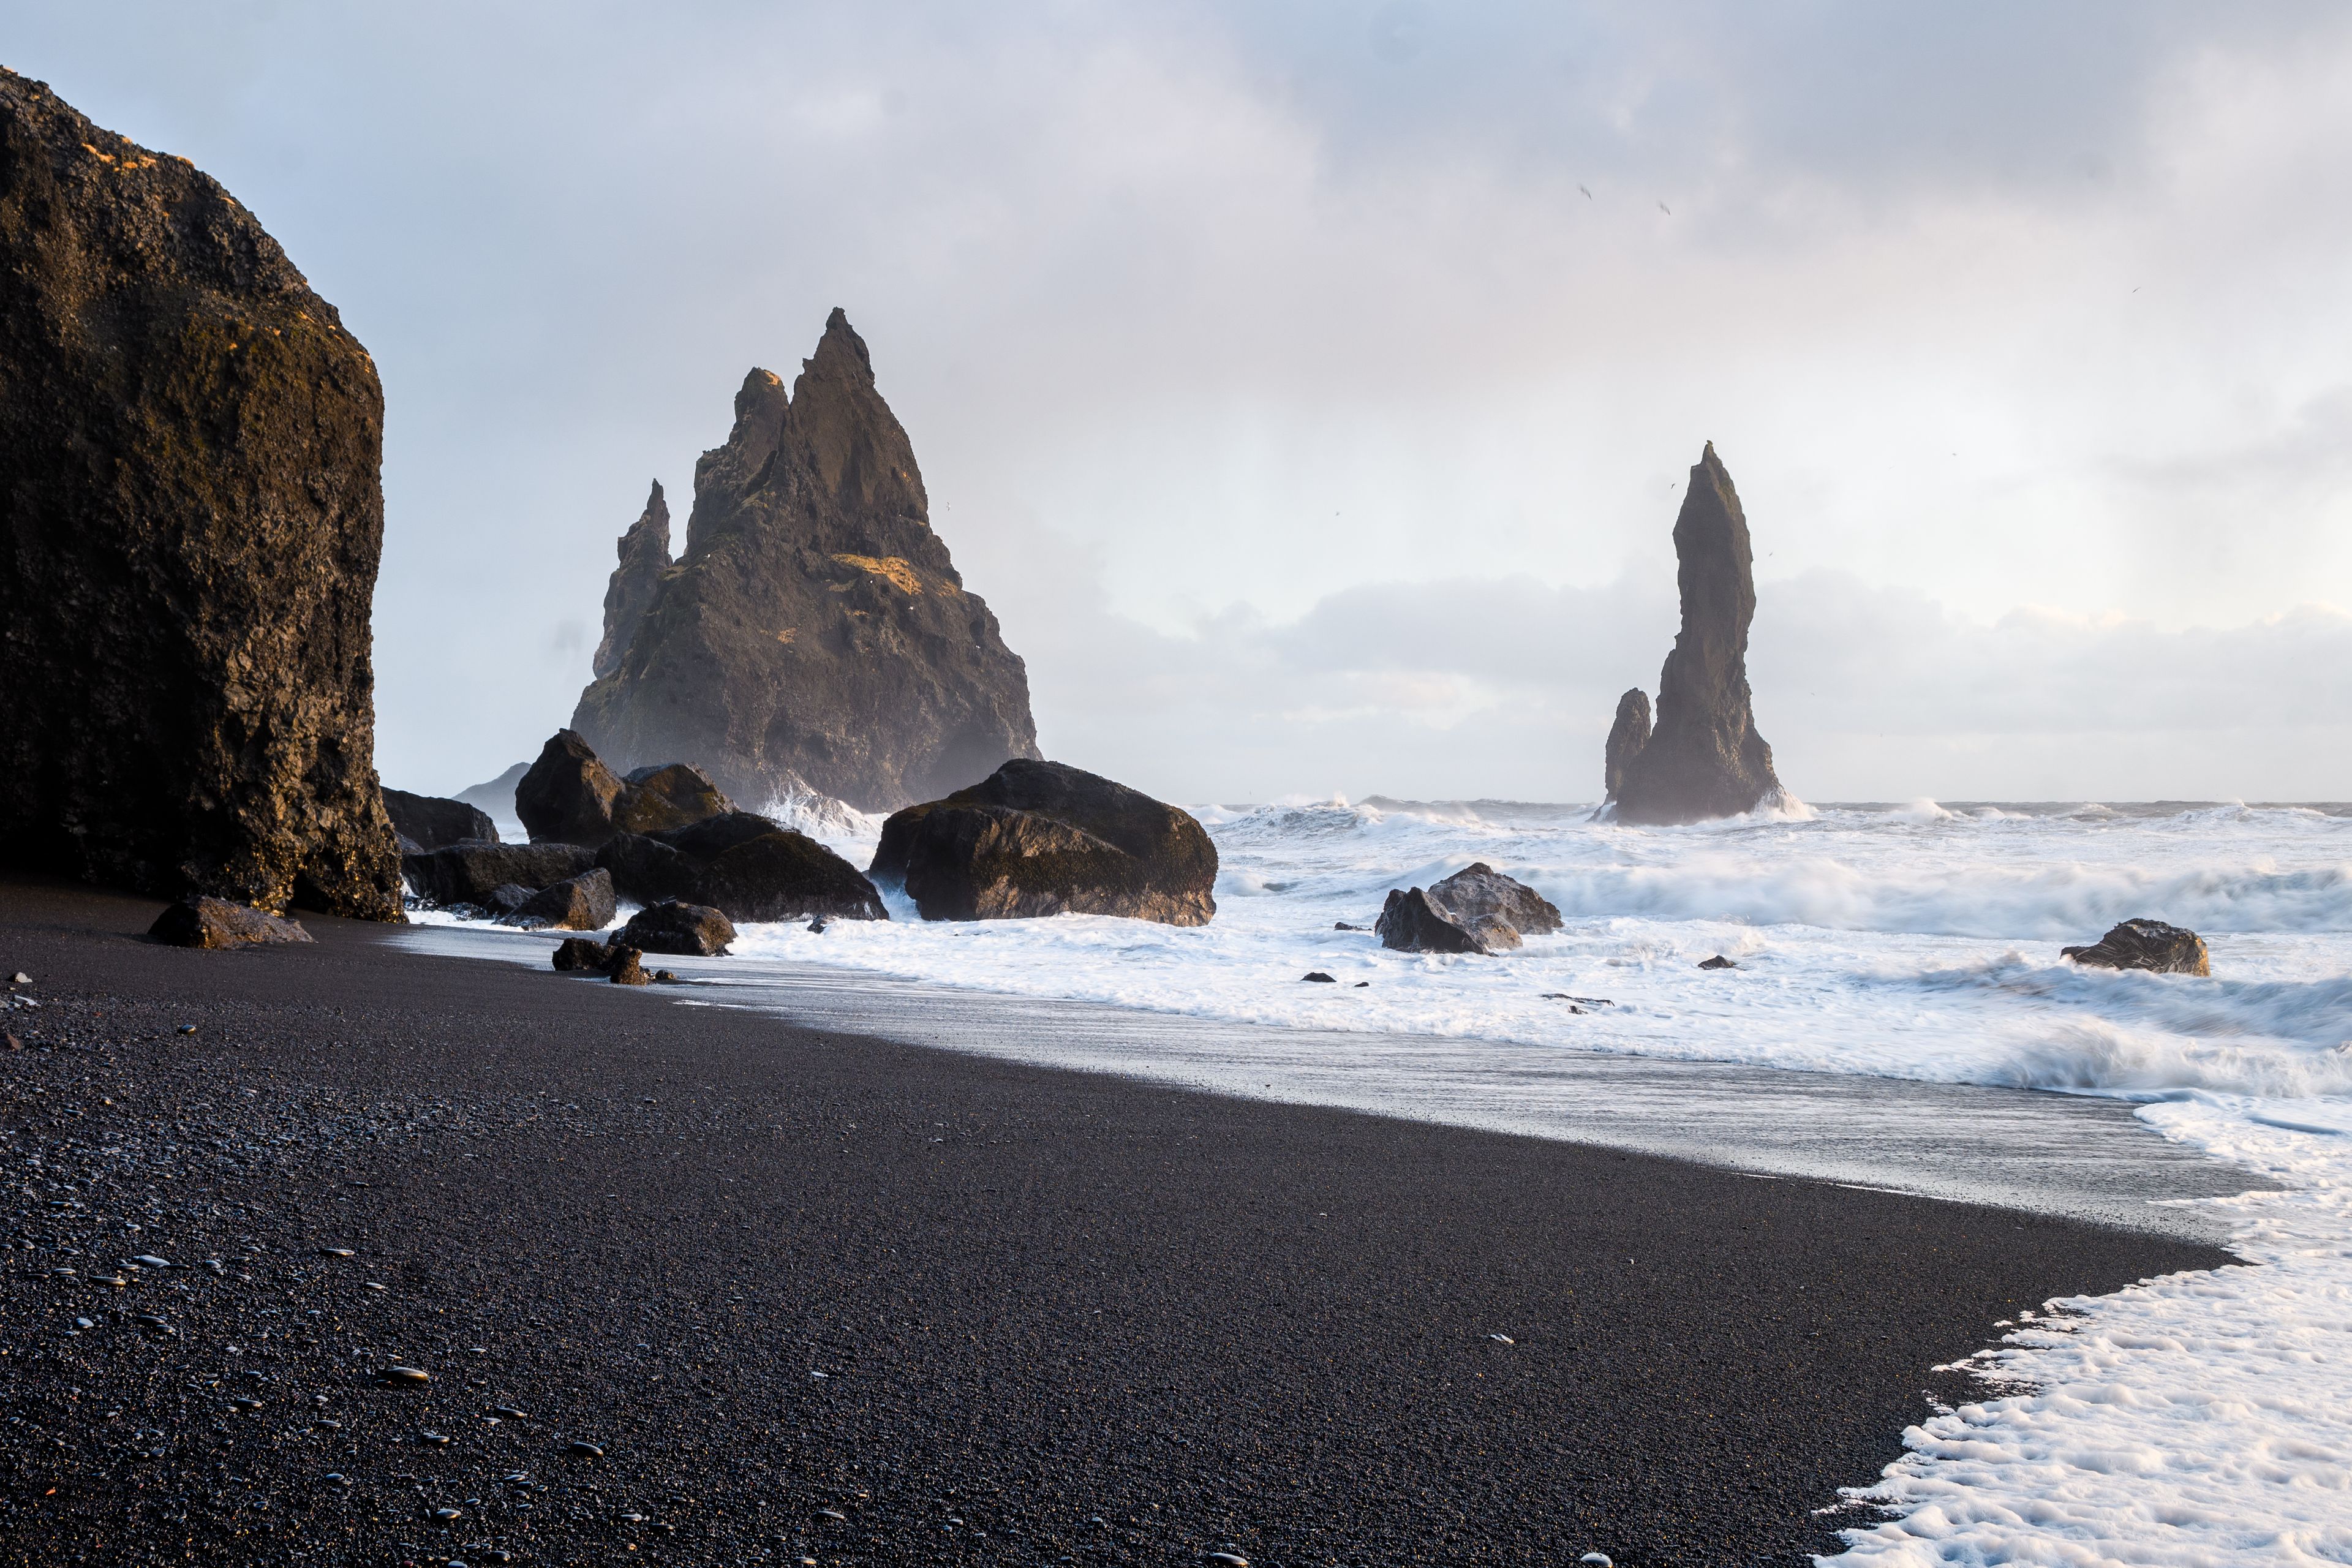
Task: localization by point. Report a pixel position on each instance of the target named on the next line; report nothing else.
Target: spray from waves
(1983, 899)
(835, 824)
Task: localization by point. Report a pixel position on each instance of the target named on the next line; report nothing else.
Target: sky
(1310, 387)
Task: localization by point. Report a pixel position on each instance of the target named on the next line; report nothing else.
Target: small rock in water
(817, 925)
(1717, 962)
(584, 1448)
(2146, 944)
(407, 1376)
(1343, 925)
(1502, 1339)
(666, 977)
(1320, 978)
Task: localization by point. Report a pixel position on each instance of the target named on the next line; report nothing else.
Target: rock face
(2146, 944)
(1705, 758)
(190, 519)
(470, 873)
(1476, 909)
(743, 864)
(200, 921)
(1043, 838)
(496, 796)
(570, 796)
(813, 638)
(428, 822)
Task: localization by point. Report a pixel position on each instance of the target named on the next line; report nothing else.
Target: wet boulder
(2146, 944)
(744, 864)
(428, 822)
(670, 926)
(469, 873)
(1039, 838)
(200, 921)
(672, 796)
(580, 954)
(585, 902)
(570, 796)
(1476, 909)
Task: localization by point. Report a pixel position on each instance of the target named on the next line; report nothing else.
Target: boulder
(1476, 909)
(570, 796)
(468, 873)
(814, 636)
(428, 822)
(200, 921)
(567, 796)
(2146, 944)
(507, 898)
(1705, 758)
(577, 903)
(625, 969)
(577, 955)
(191, 519)
(1717, 962)
(744, 864)
(674, 927)
(1042, 838)
(1411, 923)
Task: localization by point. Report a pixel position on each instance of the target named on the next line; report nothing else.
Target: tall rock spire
(814, 636)
(1705, 758)
(645, 556)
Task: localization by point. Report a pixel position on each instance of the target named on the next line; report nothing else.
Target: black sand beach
(821, 1297)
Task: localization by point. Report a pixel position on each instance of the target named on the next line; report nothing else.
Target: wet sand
(818, 1296)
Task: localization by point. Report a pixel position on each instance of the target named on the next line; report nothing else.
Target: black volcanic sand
(820, 1298)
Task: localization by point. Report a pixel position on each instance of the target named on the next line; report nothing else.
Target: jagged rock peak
(1705, 758)
(645, 556)
(815, 637)
(191, 518)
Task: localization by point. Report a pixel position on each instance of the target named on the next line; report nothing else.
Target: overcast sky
(1309, 386)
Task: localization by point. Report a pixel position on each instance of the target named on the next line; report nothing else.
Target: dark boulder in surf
(429, 822)
(1037, 839)
(744, 864)
(585, 902)
(1476, 909)
(670, 926)
(570, 796)
(1705, 758)
(2146, 944)
(470, 873)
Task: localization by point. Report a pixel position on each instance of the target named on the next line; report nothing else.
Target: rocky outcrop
(200, 921)
(645, 556)
(190, 520)
(1041, 839)
(496, 797)
(1705, 758)
(1627, 736)
(2146, 944)
(672, 926)
(429, 822)
(745, 864)
(1476, 909)
(814, 636)
(570, 796)
(470, 873)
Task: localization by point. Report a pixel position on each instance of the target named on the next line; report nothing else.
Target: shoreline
(1060, 1316)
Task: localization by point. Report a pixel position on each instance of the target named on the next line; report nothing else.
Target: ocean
(2199, 1418)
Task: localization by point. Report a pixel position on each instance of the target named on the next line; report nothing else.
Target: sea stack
(191, 515)
(813, 638)
(1705, 758)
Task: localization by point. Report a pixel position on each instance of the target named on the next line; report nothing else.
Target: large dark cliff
(1705, 758)
(813, 636)
(190, 519)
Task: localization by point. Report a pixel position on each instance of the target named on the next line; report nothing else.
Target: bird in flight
(1665, 209)
(1588, 194)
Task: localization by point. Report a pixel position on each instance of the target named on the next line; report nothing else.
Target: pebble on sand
(337, 1252)
(1502, 1339)
(149, 1260)
(584, 1448)
(407, 1376)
